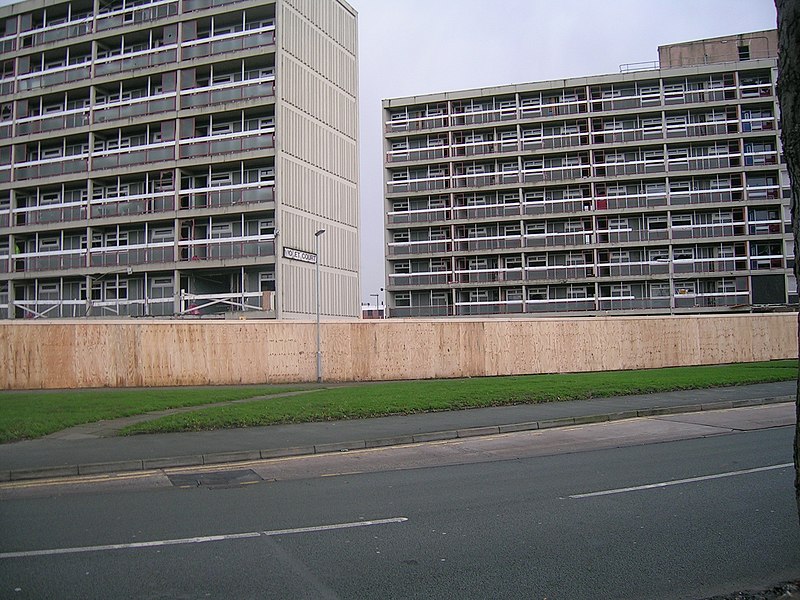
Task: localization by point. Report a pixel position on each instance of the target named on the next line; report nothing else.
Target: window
(220, 179)
(514, 294)
(682, 220)
(658, 254)
(535, 229)
(266, 281)
(221, 230)
(48, 244)
(618, 224)
(48, 288)
(439, 299)
(401, 237)
(577, 292)
(164, 234)
(161, 287)
(116, 290)
(744, 52)
(659, 289)
(114, 238)
(402, 267)
(620, 256)
(683, 253)
(266, 227)
(684, 287)
(656, 222)
(537, 293)
(402, 299)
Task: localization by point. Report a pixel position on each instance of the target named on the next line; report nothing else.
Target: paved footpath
(87, 451)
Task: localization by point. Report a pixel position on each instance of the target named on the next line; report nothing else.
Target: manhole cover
(215, 479)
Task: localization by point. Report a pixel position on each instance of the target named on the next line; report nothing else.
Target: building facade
(177, 157)
(660, 189)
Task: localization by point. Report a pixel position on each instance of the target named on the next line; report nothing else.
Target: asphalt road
(525, 515)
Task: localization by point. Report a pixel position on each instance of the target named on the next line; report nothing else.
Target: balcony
(230, 91)
(558, 239)
(133, 254)
(421, 184)
(488, 275)
(419, 247)
(60, 29)
(425, 215)
(486, 211)
(487, 243)
(548, 207)
(137, 204)
(134, 155)
(227, 248)
(119, 15)
(213, 45)
(708, 265)
(682, 232)
(51, 167)
(437, 278)
(709, 196)
(559, 272)
(710, 300)
(227, 195)
(78, 69)
(121, 60)
(134, 107)
(55, 260)
(212, 145)
(65, 119)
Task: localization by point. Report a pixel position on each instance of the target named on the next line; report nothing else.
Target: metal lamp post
(377, 304)
(319, 351)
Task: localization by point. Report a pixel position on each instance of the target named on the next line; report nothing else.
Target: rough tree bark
(789, 99)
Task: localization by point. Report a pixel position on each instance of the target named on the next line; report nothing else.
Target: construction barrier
(124, 353)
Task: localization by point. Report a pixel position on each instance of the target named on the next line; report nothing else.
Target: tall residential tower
(659, 189)
(176, 157)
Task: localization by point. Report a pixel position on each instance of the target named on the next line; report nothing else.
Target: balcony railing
(227, 248)
(259, 37)
(212, 145)
(229, 195)
(245, 89)
(419, 247)
(426, 278)
(137, 204)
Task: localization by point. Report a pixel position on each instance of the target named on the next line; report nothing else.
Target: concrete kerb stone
(226, 457)
(436, 436)
(241, 456)
(513, 427)
(175, 461)
(399, 440)
(339, 447)
(563, 422)
(284, 452)
(476, 431)
(110, 467)
(44, 473)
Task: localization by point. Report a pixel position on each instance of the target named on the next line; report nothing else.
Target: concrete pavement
(58, 456)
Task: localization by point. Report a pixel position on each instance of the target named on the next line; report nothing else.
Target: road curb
(220, 458)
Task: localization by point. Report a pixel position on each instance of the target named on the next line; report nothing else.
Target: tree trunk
(789, 99)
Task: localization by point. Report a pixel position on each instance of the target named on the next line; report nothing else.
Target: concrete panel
(125, 353)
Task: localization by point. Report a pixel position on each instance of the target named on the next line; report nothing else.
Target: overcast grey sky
(409, 47)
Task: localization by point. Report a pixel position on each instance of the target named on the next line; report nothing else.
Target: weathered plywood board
(123, 353)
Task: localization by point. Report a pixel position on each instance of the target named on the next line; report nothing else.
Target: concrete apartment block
(660, 189)
(176, 157)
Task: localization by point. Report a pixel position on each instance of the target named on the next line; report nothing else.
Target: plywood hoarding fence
(123, 353)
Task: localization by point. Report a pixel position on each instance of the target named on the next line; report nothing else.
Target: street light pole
(319, 351)
(377, 304)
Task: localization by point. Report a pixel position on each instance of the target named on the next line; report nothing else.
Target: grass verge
(25, 415)
(423, 396)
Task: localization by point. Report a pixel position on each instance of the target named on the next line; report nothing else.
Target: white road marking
(201, 539)
(681, 481)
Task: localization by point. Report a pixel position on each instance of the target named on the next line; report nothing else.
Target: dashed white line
(201, 539)
(663, 484)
